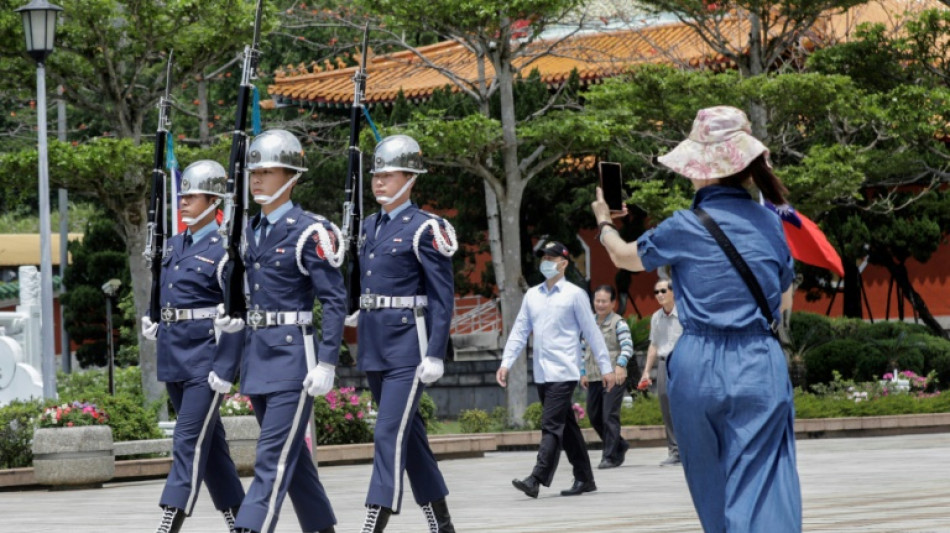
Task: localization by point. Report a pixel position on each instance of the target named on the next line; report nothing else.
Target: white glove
(219, 385)
(431, 369)
(149, 328)
(319, 380)
(352, 319)
(227, 324)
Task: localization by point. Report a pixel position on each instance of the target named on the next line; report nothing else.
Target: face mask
(263, 199)
(387, 200)
(549, 269)
(192, 221)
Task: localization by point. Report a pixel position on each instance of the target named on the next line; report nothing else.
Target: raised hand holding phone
(611, 183)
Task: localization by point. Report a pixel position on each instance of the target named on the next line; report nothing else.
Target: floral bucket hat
(720, 144)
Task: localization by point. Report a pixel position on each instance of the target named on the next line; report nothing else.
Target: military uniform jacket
(190, 280)
(390, 266)
(285, 272)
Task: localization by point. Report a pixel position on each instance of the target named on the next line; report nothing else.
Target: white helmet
(398, 153)
(204, 177)
(276, 148)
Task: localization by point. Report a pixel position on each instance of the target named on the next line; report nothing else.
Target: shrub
(475, 421)
(936, 352)
(839, 354)
(807, 330)
(341, 417)
(499, 417)
(644, 412)
(129, 419)
(72, 414)
(532, 415)
(17, 421)
(427, 410)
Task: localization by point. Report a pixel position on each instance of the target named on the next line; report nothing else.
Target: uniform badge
(279, 250)
(397, 239)
(291, 220)
(319, 249)
(205, 259)
(405, 218)
(445, 237)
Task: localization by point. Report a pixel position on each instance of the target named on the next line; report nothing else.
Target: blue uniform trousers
(559, 430)
(199, 451)
(400, 442)
(603, 408)
(284, 466)
(733, 415)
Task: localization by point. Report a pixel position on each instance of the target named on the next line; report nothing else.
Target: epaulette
(314, 216)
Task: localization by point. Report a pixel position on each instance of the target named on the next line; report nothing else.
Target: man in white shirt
(665, 330)
(558, 313)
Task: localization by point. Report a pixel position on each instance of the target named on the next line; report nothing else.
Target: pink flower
(354, 400)
(348, 416)
(359, 415)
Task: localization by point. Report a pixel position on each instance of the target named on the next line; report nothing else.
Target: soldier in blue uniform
(406, 302)
(191, 352)
(291, 256)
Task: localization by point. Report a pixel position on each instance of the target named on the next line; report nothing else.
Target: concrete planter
(242, 434)
(73, 456)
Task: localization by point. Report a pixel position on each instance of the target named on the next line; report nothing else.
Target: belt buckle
(368, 301)
(256, 318)
(169, 315)
(181, 314)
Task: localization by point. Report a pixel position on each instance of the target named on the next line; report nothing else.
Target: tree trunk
(203, 134)
(756, 66)
(852, 291)
(899, 272)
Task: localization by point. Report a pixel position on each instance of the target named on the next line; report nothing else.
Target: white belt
(375, 301)
(262, 319)
(170, 314)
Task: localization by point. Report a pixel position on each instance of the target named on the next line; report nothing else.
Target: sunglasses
(660, 291)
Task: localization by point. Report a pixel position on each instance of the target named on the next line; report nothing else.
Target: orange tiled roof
(593, 55)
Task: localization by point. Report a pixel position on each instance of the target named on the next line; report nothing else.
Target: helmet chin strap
(388, 200)
(264, 199)
(189, 221)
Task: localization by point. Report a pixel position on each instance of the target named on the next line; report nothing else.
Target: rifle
(353, 187)
(155, 235)
(235, 202)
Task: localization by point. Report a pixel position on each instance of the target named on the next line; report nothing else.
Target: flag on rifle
(174, 172)
(806, 241)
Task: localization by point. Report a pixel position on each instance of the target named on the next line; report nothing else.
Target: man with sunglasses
(665, 330)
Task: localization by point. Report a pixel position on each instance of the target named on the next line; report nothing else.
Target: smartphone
(612, 184)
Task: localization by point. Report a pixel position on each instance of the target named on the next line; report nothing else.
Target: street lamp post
(39, 27)
(111, 288)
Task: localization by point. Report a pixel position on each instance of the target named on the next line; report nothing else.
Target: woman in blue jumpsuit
(730, 395)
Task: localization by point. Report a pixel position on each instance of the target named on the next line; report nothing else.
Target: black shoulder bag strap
(740, 264)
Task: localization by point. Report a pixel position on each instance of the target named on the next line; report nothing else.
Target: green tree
(504, 150)
(110, 57)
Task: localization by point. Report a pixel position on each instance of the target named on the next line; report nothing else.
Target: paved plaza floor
(881, 484)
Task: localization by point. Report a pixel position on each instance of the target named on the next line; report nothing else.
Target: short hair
(669, 283)
(609, 290)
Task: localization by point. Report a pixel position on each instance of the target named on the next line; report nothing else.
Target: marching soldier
(406, 304)
(196, 363)
(291, 257)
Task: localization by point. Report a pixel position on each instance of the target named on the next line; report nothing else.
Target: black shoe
(528, 485)
(607, 463)
(623, 454)
(172, 518)
(437, 517)
(579, 487)
(376, 519)
(327, 530)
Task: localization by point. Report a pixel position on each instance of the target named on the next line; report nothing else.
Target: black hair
(609, 290)
(768, 183)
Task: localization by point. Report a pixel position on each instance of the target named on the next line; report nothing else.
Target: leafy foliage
(341, 417)
(17, 423)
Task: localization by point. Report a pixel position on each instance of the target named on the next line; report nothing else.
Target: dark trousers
(199, 451)
(559, 430)
(400, 442)
(284, 467)
(603, 408)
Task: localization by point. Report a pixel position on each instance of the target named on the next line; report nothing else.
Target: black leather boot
(172, 518)
(230, 515)
(437, 517)
(376, 519)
